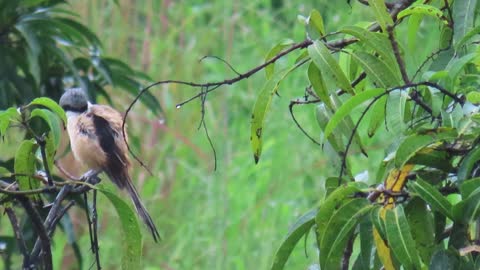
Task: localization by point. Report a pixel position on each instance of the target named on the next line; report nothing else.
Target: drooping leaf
(400, 238)
(381, 13)
(377, 115)
(466, 166)
(433, 197)
(463, 16)
(377, 70)
(316, 79)
(412, 31)
(376, 41)
(25, 165)
(425, 10)
(315, 27)
(339, 229)
(469, 186)
(298, 230)
(324, 60)
(132, 237)
(260, 109)
(348, 106)
(366, 244)
(422, 228)
(379, 237)
(474, 31)
(270, 69)
(6, 117)
(51, 105)
(329, 206)
(52, 122)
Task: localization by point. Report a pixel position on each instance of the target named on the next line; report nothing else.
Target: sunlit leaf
(51, 105)
(52, 121)
(329, 66)
(348, 106)
(315, 27)
(298, 230)
(400, 238)
(132, 237)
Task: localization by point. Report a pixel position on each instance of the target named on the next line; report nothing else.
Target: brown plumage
(96, 139)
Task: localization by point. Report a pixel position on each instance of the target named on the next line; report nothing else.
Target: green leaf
(417, 142)
(6, 117)
(432, 196)
(25, 165)
(457, 65)
(348, 106)
(424, 10)
(260, 109)
(400, 239)
(377, 115)
(473, 97)
(376, 41)
(328, 207)
(366, 244)
(132, 237)
(463, 16)
(412, 30)
(324, 60)
(298, 230)
(318, 84)
(381, 14)
(376, 69)
(466, 165)
(51, 105)
(52, 122)
(468, 186)
(315, 27)
(420, 220)
(270, 69)
(444, 260)
(467, 37)
(339, 229)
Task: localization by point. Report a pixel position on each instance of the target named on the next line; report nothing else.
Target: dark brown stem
(396, 51)
(347, 253)
(22, 246)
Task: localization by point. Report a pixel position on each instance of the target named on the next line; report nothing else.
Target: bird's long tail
(141, 210)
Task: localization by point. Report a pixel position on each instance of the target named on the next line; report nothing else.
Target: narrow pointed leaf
(270, 69)
(329, 66)
(260, 109)
(316, 79)
(467, 164)
(377, 115)
(52, 122)
(348, 106)
(299, 229)
(377, 70)
(420, 220)
(467, 37)
(433, 197)
(132, 237)
(381, 13)
(463, 16)
(339, 229)
(400, 239)
(383, 251)
(25, 165)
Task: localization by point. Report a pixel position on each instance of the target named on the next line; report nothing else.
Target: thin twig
(396, 51)
(22, 246)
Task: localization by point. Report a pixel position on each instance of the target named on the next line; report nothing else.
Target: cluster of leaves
(45, 49)
(420, 208)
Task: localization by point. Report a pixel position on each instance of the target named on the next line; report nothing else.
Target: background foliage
(204, 214)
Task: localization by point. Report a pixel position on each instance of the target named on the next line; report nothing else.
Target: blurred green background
(234, 217)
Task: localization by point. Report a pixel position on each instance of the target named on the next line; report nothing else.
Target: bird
(96, 140)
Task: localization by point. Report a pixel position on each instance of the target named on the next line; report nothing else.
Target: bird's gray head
(74, 100)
